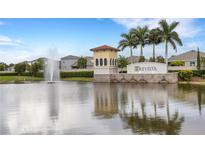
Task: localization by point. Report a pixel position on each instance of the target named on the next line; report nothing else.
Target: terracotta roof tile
(104, 47)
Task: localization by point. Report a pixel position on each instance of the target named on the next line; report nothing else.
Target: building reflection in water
(142, 108)
(105, 98)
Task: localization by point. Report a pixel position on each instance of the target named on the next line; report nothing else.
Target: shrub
(198, 73)
(151, 59)
(185, 75)
(160, 59)
(177, 63)
(88, 74)
(141, 59)
(8, 74)
(122, 62)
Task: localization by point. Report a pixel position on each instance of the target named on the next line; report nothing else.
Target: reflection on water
(101, 108)
(105, 98)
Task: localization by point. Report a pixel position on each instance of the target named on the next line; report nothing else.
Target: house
(67, 62)
(70, 62)
(10, 69)
(190, 61)
(134, 58)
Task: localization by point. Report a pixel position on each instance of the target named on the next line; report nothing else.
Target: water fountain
(51, 68)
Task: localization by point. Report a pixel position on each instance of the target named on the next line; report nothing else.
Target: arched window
(113, 62)
(96, 62)
(101, 62)
(110, 62)
(105, 61)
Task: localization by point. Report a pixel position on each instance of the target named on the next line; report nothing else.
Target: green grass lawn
(16, 79)
(21, 79)
(78, 79)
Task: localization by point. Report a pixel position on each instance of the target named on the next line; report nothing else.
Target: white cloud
(186, 29)
(5, 40)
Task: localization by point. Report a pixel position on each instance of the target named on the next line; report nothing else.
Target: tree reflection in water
(153, 125)
(149, 108)
(141, 123)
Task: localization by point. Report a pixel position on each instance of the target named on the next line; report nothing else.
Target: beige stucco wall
(105, 54)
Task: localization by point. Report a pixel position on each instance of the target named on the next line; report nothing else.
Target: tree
(3, 66)
(40, 62)
(203, 61)
(160, 59)
(154, 38)
(198, 60)
(169, 36)
(122, 62)
(34, 68)
(140, 35)
(127, 42)
(20, 68)
(10, 65)
(82, 62)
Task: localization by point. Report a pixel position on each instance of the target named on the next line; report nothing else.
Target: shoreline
(29, 79)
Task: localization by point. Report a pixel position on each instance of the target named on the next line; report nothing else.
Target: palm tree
(169, 36)
(140, 35)
(127, 41)
(154, 39)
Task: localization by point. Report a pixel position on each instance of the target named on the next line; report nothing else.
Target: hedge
(177, 63)
(88, 74)
(199, 73)
(39, 74)
(8, 74)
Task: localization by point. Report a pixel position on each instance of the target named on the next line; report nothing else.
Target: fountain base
(51, 82)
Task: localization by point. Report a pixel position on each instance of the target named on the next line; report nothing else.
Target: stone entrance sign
(146, 68)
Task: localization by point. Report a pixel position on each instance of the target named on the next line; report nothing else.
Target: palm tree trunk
(141, 50)
(153, 52)
(131, 55)
(166, 55)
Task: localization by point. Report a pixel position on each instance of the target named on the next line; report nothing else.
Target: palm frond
(164, 26)
(176, 38)
(173, 25)
(173, 44)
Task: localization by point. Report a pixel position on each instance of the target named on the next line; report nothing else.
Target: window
(110, 62)
(105, 61)
(192, 63)
(96, 62)
(113, 62)
(101, 62)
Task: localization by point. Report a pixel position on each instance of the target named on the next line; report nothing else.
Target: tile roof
(104, 47)
(190, 55)
(135, 59)
(70, 57)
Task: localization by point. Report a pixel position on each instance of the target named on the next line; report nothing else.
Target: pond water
(100, 108)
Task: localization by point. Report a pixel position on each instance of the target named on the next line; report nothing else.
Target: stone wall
(137, 78)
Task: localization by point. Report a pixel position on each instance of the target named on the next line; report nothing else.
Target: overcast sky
(27, 39)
